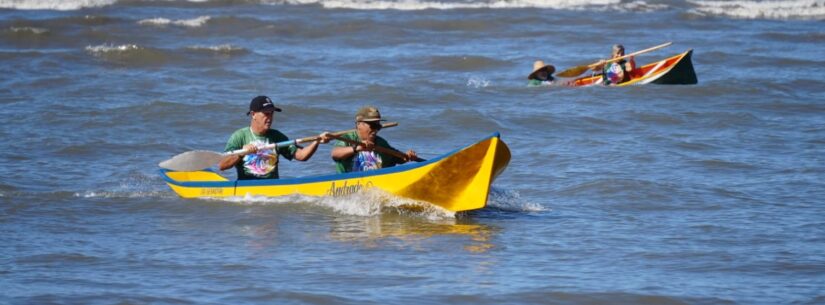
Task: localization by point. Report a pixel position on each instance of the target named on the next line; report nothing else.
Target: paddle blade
(192, 161)
(573, 72)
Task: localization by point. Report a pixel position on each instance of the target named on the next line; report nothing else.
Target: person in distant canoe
(363, 157)
(260, 163)
(616, 72)
(542, 74)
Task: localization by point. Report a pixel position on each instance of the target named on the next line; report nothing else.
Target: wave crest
(798, 9)
(60, 5)
(28, 30)
(413, 5)
(223, 49)
(191, 23)
(129, 54)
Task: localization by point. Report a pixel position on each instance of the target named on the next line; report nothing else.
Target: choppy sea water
(703, 194)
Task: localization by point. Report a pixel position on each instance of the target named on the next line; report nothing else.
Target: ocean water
(701, 194)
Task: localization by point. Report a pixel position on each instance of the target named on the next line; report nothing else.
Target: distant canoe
(676, 70)
(456, 181)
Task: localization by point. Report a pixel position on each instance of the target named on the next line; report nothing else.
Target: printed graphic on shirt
(366, 160)
(260, 163)
(615, 74)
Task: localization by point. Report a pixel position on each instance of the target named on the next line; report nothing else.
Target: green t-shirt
(264, 163)
(537, 82)
(365, 160)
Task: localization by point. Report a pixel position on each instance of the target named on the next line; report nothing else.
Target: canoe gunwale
(312, 179)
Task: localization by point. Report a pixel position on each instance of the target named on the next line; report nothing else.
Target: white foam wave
(123, 194)
(192, 23)
(106, 48)
(27, 29)
(443, 5)
(223, 48)
(61, 5)
(795, 9)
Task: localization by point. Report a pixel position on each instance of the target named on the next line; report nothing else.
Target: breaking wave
(407, 5)
(740, 9)
(225, 49)
(129, 54)
(60, 5)
(413, 5)
(191, 23)
(798, 9)
(28, 30)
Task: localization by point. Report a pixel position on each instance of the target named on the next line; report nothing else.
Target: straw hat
(538, 66)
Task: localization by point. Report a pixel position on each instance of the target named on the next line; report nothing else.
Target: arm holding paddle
(305, 153)
(200, 159)
(345, 152)
(618, 52)
(302, 154)
(578, 70)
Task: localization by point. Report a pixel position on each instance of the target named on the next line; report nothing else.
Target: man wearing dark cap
(363, 157)
(263, 163)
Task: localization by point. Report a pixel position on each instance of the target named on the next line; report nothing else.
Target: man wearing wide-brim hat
(363, 157)
(542, 74)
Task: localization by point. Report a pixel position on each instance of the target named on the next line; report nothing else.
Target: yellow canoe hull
(457, 181)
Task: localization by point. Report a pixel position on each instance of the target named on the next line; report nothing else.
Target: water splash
(477, 82)
(508, 200)
(368, 203)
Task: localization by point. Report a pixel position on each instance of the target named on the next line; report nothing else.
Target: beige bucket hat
(538, 66)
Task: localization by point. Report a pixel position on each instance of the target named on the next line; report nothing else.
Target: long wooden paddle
(578, 70)
(380, 149)
(200, 159)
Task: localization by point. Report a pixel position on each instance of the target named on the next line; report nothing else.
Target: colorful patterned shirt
(264, 163)
(365, 160)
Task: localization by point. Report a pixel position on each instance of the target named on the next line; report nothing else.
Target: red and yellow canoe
(676, 70)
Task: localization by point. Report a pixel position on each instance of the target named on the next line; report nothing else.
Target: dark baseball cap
(262, 104)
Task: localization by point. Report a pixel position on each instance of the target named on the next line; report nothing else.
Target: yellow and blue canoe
(456, 181)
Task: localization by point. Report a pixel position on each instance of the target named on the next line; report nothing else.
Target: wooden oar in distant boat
(200, 159)
(578, 70)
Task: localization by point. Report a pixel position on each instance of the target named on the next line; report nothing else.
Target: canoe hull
(675, 70)
(457, 181)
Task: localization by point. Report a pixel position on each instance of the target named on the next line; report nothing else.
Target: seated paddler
(542, 74)
(363, 149)
(258, 162)
(616, 72)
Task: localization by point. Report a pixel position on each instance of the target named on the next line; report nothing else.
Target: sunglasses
(373, 125)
